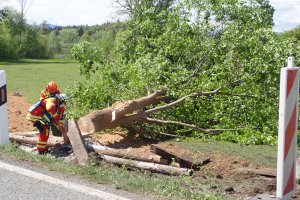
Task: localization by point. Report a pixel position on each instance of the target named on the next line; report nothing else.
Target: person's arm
(50, 107)
(42, 95)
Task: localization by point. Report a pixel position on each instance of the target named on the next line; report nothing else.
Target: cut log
(28, 140)
(26, 134)
(76, 140)
(165, 169)
(184, 157)
(103, 119)
(128, 154)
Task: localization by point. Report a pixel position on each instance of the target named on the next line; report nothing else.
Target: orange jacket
(48, 109)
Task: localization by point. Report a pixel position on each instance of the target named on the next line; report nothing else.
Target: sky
(67, 12)
(91, 12)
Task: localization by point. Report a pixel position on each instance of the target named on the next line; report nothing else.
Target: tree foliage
(192, 46)
(34, 46)
(6, 49)
(21, 40)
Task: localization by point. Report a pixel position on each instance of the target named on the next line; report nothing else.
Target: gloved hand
(48, 122)
(47, 118)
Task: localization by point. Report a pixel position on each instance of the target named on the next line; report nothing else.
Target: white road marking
(80, 188)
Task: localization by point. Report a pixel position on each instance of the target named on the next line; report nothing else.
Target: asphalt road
(25, 182)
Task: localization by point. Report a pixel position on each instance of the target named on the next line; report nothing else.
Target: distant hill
(51, 26)
(47, 26)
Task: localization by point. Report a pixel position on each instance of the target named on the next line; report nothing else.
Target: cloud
(286, 14)
(68, 12)
(91, 12)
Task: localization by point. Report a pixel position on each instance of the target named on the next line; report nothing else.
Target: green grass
(263, 155)
(30, 76)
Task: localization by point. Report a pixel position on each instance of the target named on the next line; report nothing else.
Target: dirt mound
(17, 110)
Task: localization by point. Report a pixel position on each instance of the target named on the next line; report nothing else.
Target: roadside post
(3, 109)
(287, 130)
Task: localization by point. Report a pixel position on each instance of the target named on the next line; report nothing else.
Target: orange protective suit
(42, 114)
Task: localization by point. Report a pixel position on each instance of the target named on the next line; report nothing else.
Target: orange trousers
(43, 138)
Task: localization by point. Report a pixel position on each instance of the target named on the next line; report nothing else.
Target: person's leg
(42, 139)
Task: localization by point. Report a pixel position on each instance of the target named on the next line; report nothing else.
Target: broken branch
(192, 126)
(151, 134)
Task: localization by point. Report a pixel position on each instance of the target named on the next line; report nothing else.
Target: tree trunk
(128, 154)
(114, 116)
(165, 169)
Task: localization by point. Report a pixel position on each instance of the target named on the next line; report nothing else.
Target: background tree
(34, 46)
(67, 38)
(80, 31)
(52, 40)
(6, 49)
(54, 45)
(15, 24)
(24, 6)
(293, 33)
(127, 7)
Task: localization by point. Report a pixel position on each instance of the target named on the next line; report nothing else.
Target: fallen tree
(130, 113)
(194, 59)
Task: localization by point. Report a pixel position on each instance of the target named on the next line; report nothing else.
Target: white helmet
(62, 97)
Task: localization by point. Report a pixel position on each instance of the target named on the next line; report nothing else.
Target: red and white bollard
(3, 109)
(287, 130)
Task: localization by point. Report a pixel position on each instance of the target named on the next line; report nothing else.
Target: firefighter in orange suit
(43, 114)
(50, 91)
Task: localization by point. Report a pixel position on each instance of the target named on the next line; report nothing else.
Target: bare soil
(17, 110)
(219, 176)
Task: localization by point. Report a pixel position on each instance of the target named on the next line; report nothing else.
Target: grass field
(30, 76)
(263, 155)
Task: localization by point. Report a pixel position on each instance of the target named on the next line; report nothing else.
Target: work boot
(43, 152)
